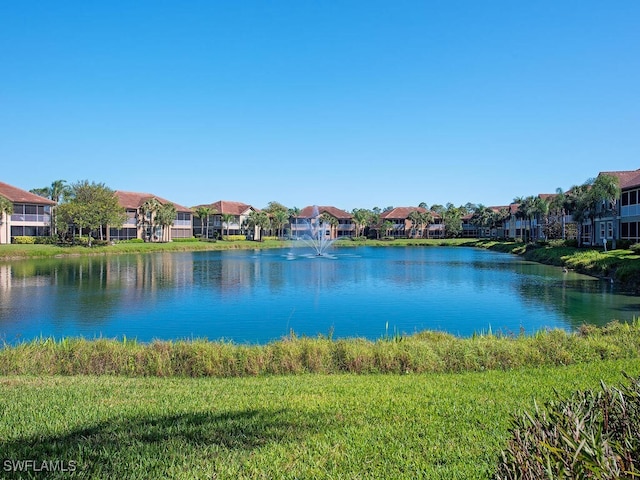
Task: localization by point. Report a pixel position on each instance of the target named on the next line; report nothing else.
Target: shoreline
(621, 267)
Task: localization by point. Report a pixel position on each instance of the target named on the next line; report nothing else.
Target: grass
(437, 426)
(426, 352)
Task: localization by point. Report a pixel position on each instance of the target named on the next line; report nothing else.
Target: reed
(424, 352)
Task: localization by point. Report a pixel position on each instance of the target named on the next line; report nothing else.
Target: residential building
(215, 225)
(140, 225)
(339, 222)
(402, 225)
(31, 216)
(620, 219)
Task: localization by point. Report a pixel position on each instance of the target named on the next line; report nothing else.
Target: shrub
(46, 240)
(590, 435)
(635, 248)
(184, 240)
(132, 240)
(24, 240)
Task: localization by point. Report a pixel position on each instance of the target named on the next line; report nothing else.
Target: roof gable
(628, 178)
(224, 206)
(17, 195)
(134, 200)
(313, 211)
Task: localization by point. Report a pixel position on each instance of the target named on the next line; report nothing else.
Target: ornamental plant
(589, 435)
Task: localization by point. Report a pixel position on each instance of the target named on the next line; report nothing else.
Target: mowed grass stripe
(295, 426)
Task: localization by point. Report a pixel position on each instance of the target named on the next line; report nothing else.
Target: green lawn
(445, 426)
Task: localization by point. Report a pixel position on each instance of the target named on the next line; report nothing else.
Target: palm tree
(279, 219)
(386, 226)
(165, 217)
(6, 209)
(148, 212)
(259, 220)
(294, 213)
(203, 213)
(605, 193)
(227, 218)
(58, 190)
(360, 218)
(578, 206)
(426, 219)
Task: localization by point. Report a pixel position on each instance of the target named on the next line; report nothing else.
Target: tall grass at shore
(426, 352)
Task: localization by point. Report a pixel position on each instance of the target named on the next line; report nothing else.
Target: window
(602, 225)
(609, 229)
(633, 197)
(625, 199)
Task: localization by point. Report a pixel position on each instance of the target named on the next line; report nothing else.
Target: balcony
(31, 218)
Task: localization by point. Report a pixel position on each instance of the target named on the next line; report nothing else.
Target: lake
(259, 296)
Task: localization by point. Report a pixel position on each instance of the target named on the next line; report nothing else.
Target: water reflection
(259, 296)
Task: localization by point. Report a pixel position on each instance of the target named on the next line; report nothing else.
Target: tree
(92, 206)
(482, 218)
(226, 220)
(426, 219)
(294, 213)
(6, 209)
(259, 220)
(578, 206)
(416, 220)
(360, 218)
(279, 219)
(43, 192)
(330, 220)
(452, 219)
(148, 212)
(374, 222)
(604, 193)
(203, 213)
(165, 217)
(386, 226)
(56, 192)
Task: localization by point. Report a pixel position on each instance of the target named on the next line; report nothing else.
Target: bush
(46, 240)
(185, 240)
(590, 435)
(132, 240)
(235, 238)
(635, 248)
(24, 240)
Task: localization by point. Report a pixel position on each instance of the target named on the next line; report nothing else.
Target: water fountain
(317, 234)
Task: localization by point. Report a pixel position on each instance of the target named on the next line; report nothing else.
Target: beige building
(139, 226)
(31, 215)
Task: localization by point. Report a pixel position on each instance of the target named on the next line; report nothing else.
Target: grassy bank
(436, 426)
(622, 266)
(426, 352)
(14, 252)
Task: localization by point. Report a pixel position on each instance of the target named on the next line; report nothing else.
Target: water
(260, 296)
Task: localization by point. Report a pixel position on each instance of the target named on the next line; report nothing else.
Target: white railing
(630, 210)
(31, 218)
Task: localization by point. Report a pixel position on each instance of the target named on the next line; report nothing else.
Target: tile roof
(315, 210)
(403, 212)
(628, 178)
(224, 206)
(17, 195)
(133, 200)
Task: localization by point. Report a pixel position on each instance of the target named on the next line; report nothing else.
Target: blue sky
(352, 104)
